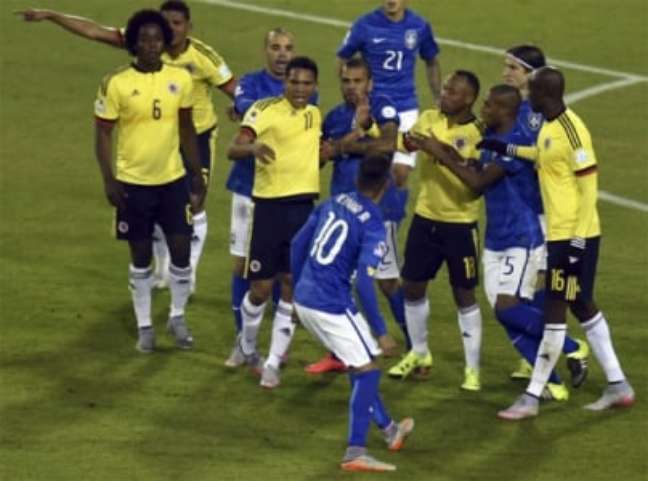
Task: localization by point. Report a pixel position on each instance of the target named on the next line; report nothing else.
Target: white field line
(624, 78)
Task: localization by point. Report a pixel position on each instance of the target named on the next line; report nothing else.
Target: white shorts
(407, 121)
(346, 335)
(389, 267)
(240, 224)
(513, 272)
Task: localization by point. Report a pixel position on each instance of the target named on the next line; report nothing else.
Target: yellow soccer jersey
(442, 196)
(294, 135)
(208, 70)
(564, 151)
(145, 106)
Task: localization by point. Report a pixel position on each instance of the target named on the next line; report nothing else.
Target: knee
(504, 302)
(583, 310)
(414, 291)
(464, 297)
(238, 266)
(260, 292)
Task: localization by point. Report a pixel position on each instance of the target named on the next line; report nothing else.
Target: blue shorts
(147, 205)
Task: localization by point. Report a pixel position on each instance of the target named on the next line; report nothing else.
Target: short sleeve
(107, 103)
(428, 46)
(373, 246)
(384, 111)
(352, 42)
(256, 119)
(245, 94)
(216, 70)
(582, 155)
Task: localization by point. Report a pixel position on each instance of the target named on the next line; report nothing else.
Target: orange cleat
(328, 363)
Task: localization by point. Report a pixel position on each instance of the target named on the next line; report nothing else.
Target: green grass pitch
(77, 402)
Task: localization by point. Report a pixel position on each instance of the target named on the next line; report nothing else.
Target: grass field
(77, 402)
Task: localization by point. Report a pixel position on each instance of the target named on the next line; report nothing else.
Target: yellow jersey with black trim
(294, 135)
(442, 195)
(145, 107)
(564, 151)
(208, 70)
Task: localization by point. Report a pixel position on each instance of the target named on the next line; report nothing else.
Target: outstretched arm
(84, 27)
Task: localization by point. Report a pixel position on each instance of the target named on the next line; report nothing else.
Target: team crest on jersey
(547, 143)
(174, 88)
(255, 266)
(411, 39)
(388, 112)
(459, 143)
(534, 121)
(122, 227)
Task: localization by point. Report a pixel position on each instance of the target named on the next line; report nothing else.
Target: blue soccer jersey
(390, 48)
(339, 122)
(252, 87)
(511, 213)
(343, 234)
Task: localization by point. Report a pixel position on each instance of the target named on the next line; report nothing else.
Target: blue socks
(239, 287)
(397, 305)
(363, 405)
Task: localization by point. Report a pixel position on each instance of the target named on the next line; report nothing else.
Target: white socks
(548, 354)
(416, 316)
(140, 282)
(470, 325)
(197, 243)
(180, 287)
(251, 316)
(282, 333)
(598, 336)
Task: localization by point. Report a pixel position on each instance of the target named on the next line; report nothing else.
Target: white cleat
(270, 377)
(615, 395)
(526, 406)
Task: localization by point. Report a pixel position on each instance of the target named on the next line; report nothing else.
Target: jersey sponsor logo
(534, 121)
(388, 112)
(122, 227)
(581, 156)
(378, 40)
(174, 88)
(411, 39)
(255, 266)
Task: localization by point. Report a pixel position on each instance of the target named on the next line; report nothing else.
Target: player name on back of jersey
(352, 205)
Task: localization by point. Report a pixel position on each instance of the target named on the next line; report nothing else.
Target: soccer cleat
(270, 377)
(526, 406)
(471, 380)
(328, 363)
(236, 357)
(145, 340)
(404, 429)
(366, 463)
(523, 371)
(577, 363)
(555, 392)
(177, 327)
(411, 362)
(255, 361)
(615, 395)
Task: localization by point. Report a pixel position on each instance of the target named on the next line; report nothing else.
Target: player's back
(349, 230)
(512, 202)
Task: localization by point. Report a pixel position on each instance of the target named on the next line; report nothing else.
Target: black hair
(374, 170)
(513, 97)
(141, 18)
(176, 6)
(470, 78)
(358, 62)
(302, 63)
(529, 56)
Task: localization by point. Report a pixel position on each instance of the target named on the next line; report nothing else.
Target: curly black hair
(141, 18)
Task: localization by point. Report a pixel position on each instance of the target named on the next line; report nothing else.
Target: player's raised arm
(433, 74)
(83, 27)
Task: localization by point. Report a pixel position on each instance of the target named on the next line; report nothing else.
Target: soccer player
(389, 39)
(513, 233)
(343, 235)
(444, 229)
(283, 135)
(362, 110)
(207, 69)
(279, 47)
(150, 103)
(567, 169)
